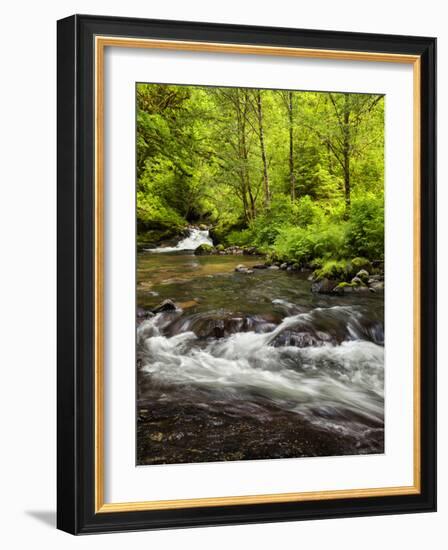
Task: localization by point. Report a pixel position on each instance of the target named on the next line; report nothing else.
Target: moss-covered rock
(332, 269)
(154, 237)
(363, 274)
(204, 250)
(360, 263)
(344, 288)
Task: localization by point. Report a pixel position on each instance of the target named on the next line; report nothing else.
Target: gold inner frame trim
(101, 42)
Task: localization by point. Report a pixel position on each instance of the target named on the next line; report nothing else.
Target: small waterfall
(195, 238)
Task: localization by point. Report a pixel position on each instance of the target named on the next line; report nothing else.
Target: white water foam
(344, 377)
(195, 238)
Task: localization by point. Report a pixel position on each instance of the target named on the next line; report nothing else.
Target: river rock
(356, 281)
(284, 265)
(241, 268)
(343, 288)
(204, 249)
(363, 274)
(361, 288)
(298, 339)
(274, 267)
(143, 313)
(259, 266)
(217, 325)
(324, 286)
(166, 305)
(377, 285)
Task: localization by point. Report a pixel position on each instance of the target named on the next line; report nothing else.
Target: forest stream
(252, 366)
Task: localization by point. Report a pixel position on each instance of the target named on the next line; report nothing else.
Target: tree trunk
(245, 159)
(267, 193)
(346, 152)
(292, 179)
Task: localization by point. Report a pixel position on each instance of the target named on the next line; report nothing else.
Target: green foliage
(223, 156)
(365, 235)
(307, 212)
(303, 244)
(153, 213)
(239, 238)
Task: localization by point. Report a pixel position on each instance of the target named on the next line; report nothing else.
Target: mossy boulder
(204, 250)
(337, 270)
(363, 274)
(220, 248)
(359, 263)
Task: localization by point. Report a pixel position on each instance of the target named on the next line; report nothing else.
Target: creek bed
(253, 366)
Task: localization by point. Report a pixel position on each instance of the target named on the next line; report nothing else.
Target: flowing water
(253, 365)
(195, 238)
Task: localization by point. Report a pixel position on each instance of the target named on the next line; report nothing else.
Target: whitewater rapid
(195, 238)
(339, 376)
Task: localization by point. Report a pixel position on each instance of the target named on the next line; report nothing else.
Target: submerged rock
(299, 339)
(377, 285)
(241, 268)
(166, 305)
(344, 288)
(221, 325)
(324, 286)
(142, 313)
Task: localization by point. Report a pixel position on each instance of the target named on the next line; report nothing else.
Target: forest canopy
(299, 175)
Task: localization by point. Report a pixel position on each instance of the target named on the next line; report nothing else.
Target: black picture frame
(76, 512)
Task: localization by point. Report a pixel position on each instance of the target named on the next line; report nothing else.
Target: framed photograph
(246, 274)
